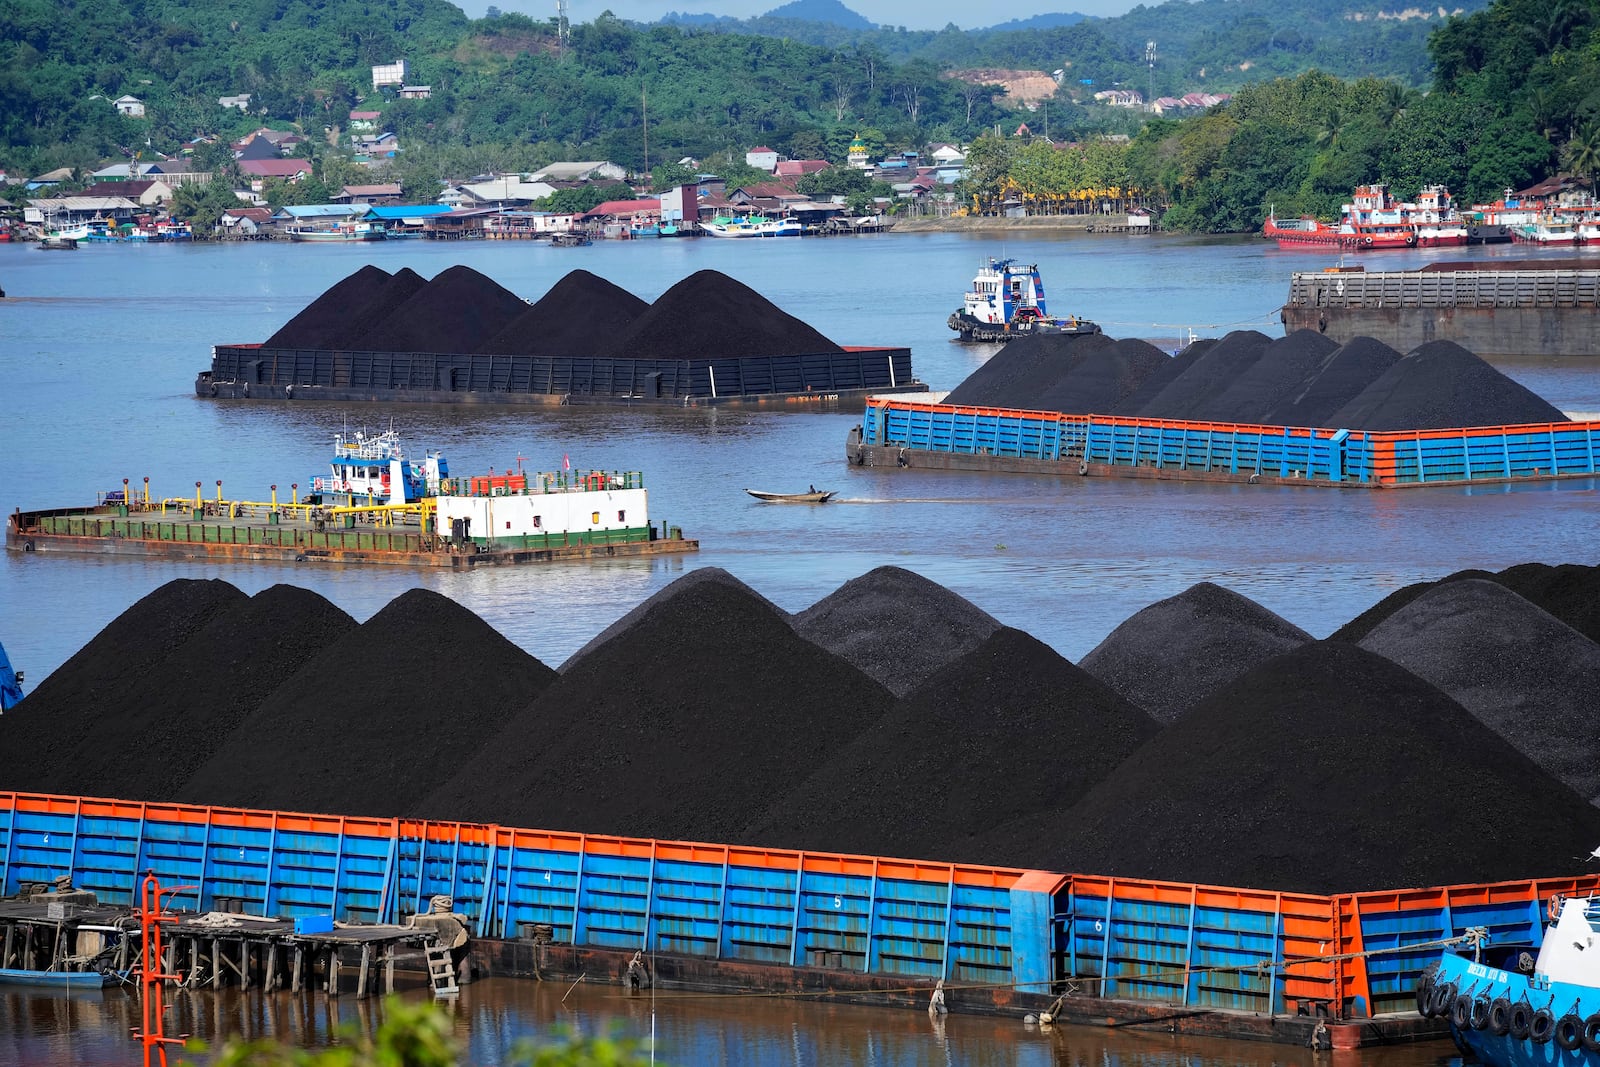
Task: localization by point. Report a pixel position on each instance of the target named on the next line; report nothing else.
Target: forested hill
(504, 93)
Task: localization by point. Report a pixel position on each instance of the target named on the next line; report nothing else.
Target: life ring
(1543, 1027)
(1500, 1016)
(1553, 909)
(1367, 241)
(1083, 468)
(1521, 1020)
(1569, 1032)
(1591, 1032)
(1479, 1017)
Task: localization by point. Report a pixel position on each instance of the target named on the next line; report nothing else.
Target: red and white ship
(1374, 220)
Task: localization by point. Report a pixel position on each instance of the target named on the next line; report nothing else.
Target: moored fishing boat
(1007, 300)
(752, 226)
(1517, 1010)
(355, 230)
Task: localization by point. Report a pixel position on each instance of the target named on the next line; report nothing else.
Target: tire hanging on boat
(1461, 1012)
(1480, 1012)
(1521, 1020)
(1500, 1016)
(1569, 1032)
(1591, 1032)
(1543, 1027)
(1443, 996)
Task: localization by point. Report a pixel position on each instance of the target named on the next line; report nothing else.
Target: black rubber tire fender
(1425, 990)
(1480, 1012)
(1591, 1032)
(1500, 1016)
(1444, 995)
(1569, 1032)
(1543, 1027)
(1461, 1012)
(1521, 1020)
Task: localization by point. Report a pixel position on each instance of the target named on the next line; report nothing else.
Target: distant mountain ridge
(835, 13)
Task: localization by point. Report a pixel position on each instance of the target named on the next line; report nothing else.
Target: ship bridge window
(622, 516)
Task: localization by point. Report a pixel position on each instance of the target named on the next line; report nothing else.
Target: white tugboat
(1007, 300)
(375, 467)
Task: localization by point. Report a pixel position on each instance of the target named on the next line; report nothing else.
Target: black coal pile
(378, 717)
(581, 315)
(61, 718)
(1170, 656)
(1441, 385)
(1359, 627)
(1007, 729)
(1164, 376)
(457, 311)
(1341, 377)
(1326, 770)
(363, 321)
(680, 726)
(1023, 370)
(1102, 377)
(1207, 377)
(176, 714)
(1529, 677)
(327, 314)
(1570, 592)
(709, 315)
(896, 626)
(1283, 369)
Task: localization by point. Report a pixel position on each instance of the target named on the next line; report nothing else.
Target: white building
(580, 172)
(762, 158)
(396, 73)
(131, 106)
(242, 101)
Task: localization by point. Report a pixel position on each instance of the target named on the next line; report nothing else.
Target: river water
(99, 349)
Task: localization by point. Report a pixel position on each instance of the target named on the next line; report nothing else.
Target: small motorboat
(812, 496)
(70, 980)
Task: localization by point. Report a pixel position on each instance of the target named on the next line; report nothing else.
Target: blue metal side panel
(542, 886)
(758, 915)
(1392, 976)
(909, 923)
(175, 852)
(834, 917)
(303, 873)
(108, 850)
(1232, 938)
(1150, 942)
(981, 935)
(1031, 915)
(686, 907)
(41, 846)
(469, 878)
(363, 872)
(6, 833)
(236, 864)
(612, 900)
(1087, 936)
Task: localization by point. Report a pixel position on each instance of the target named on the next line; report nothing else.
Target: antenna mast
(563, 29)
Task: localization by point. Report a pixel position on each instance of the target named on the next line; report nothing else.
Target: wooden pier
(216, 949)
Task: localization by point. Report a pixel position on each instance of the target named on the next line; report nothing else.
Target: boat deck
(224, 531)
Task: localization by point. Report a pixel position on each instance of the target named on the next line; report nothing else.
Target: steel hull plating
(1478, 980)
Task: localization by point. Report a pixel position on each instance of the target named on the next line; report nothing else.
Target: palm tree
(1584, 153)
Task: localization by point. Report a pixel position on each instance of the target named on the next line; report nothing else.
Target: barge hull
(468, 560)
(900, 432)
(827, 379)
(1246, 962)
(1495, 314)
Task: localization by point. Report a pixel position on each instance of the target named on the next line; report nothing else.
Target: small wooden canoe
(817, 496)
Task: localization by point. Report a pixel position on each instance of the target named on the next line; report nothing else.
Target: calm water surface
(91, 1030)
(98, 353)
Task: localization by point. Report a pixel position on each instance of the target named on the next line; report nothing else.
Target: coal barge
(463, 339)
(1499, 310)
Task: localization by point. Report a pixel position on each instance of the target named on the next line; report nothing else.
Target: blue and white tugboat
(1006, 301)
(374, 467)
(1535, 1012)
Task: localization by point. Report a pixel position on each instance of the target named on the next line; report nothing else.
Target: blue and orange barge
(1253, 963)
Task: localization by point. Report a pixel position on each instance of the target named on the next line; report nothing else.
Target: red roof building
(624, 207)
(797, 168)
(293, 169)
